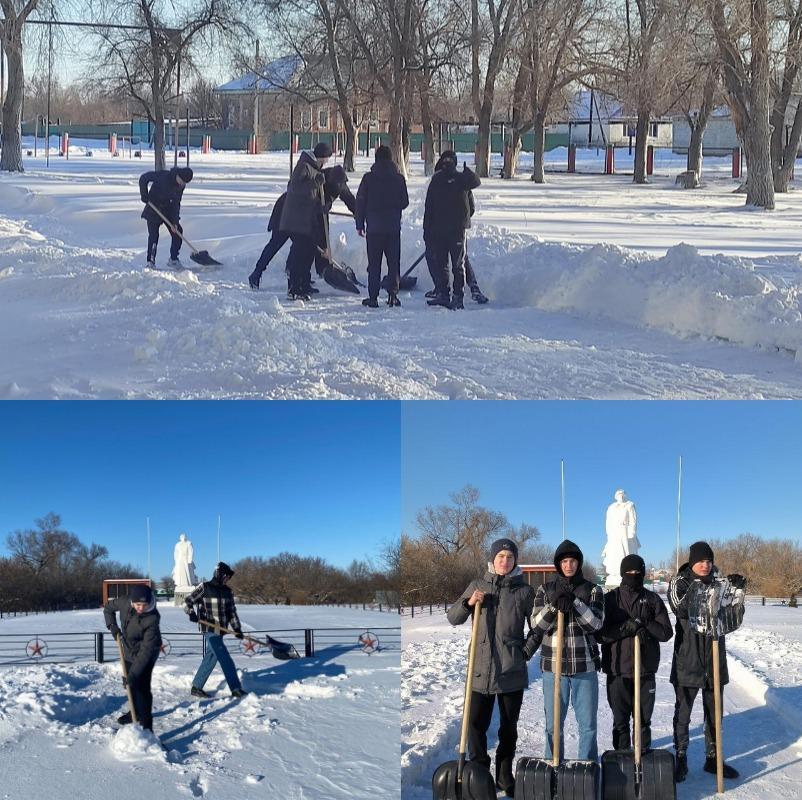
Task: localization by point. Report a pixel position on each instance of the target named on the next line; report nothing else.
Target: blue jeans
(583, 691)
(216, 651)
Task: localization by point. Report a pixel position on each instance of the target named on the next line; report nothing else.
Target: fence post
(309, 642)
(763, 601)
(99, 648)
(609, 161)
(571, 158)
(400, 612)
(430, 610)
(413, 609)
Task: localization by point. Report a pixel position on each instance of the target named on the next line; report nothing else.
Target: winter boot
(440, 300)
(253, 280)
(151, 264)
(681, 768)
(298, 295)
(370, 302)
(505, 782)
(175, 263)
(710, 766)
(392, 300)
(476, 294)
(456, 303)
(125, 719)
(430, 294)
(196, 692)
(237, 693)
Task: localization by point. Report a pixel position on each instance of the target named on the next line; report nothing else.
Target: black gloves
(564, 602)
(115, 632)
(125, 681)
(631, 626)
(738, 581)
(239, 635)
(529, 648)
(193, 617)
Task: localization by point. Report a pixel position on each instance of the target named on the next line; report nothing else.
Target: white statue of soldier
(184, 570)
(622, 536)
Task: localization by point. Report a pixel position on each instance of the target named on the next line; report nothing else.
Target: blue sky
(315, 478)
(742, 466)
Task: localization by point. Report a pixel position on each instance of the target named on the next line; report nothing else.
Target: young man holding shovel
(631, 610)
(141, 644)
(500, 673)
(582, 604)
(701, 597)
(212, 605)
(165, 192)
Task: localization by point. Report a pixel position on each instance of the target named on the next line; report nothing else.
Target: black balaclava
(628, 563)
(569, 549)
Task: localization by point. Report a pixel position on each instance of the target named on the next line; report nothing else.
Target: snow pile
(133, 743)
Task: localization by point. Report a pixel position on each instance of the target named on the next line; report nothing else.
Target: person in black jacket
(447, 215)
(165, 192)
(213, 602)
(335, 187)
(304, 220)
(705, 604)
(629, 611)
(142, 641)
(500, 672)
(381, 198)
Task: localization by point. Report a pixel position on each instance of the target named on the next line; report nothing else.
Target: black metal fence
(61, 647)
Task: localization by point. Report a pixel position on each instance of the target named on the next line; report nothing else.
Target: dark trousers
(383, 245)
(509, 706)
(621, 697)
(142, 695)
(438, 252)
(277, 241)
(153, 239)
(303, 252)
(685, 697)
(470, 275)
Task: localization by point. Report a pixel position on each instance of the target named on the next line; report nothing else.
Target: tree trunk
(695, 148)
(785, 167)
(11, 157)
(759, 182)
(395, 131)
(350, 143)
(641, 136)
(539, 147)
(483, 141)
(512, 154)
(757, 136)
(424, 82)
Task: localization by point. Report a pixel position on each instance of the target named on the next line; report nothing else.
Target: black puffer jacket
(381, 198)
(617, 651)
(447, 213)
(164, 193)
(692, 664)
(500, 665)
(142, 638)
(304, 203)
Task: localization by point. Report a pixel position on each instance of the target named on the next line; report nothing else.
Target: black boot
(681, 769)
(125, 719)
(456, 303)
(253, 280)
(505, 782)
(430, 294)
(392, 300)
(478, 297)
(440, 300)
(238, 693)
(370, 302)
(710, 766)
(196, 692)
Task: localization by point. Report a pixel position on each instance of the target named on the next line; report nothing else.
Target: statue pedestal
(181, 594)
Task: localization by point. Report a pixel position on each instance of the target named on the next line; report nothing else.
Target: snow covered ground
(762, 707)
(599, 289)
(322, 727)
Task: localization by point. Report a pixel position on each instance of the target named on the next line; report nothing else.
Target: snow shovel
(198, 256)
(461, 780)
(407, 281)
(125, 676)
(717, 711)
(539, 779)
(633, 775)
(283, 651)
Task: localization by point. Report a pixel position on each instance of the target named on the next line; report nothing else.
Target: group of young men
(301, 216)
(598, 635)
(138, 630)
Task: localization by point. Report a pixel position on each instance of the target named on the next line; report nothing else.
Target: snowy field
(320, 727)
(599, 289)
(762, 708)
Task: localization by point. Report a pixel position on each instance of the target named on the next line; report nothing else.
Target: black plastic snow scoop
(339, 276)
(632, 774)
(283, 651)
(542, 779)
(461, 780)
(407, 282)
(198, 256)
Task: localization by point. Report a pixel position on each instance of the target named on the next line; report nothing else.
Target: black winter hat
(700, 551)
(446, 156)
(139, 593)
(322, 150)
(633, 562)
(383, 153)
(185, 173)
(567, 549)
(222, 570)
(336, 178)
(503, 544)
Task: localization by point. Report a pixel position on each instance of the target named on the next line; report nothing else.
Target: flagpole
(679, 507)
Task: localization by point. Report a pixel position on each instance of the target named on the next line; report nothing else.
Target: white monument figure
(184, 576)
(622, 536)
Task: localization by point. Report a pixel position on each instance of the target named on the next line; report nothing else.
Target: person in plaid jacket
(582, 603)
(213, 601)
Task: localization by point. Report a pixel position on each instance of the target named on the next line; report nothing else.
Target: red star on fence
(367, 642)
(249, 646)
(36, 649)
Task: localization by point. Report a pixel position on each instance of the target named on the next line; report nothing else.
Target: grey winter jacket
(304, 203)
(500, 664)
(142, 638)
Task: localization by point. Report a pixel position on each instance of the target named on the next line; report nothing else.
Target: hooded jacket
(690, 598)
(617, 650)
(580, 649)
(381, 198)
(304, 203)
(164, 193)
(141, 635)
(500, 664)
(447, 214)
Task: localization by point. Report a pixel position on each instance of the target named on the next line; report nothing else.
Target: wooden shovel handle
(717, 712)
(636, 710)
(466, 706)
(558, 667)
(174, 229)
(125, 675)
